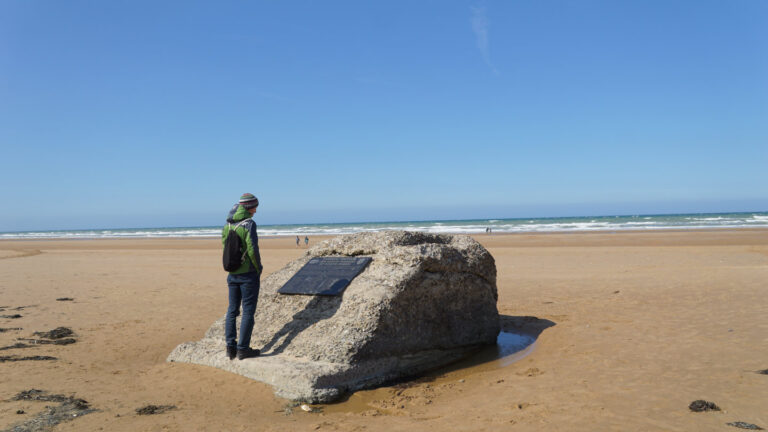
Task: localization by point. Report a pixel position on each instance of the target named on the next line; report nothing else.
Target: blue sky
(139, 113)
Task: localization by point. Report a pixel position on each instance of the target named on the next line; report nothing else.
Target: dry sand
(640, 324)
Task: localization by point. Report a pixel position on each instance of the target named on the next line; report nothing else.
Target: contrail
(480, 27)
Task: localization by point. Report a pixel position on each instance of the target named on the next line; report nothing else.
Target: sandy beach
(632, 327)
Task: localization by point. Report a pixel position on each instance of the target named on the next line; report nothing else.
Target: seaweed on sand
(57, 333)
(154, 409)
(68, 408)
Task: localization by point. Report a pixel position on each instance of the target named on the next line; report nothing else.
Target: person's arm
(252, 243)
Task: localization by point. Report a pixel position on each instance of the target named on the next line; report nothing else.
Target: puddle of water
(512, 347)
(509, 348)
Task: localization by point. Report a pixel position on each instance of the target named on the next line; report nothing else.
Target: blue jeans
(243, 288)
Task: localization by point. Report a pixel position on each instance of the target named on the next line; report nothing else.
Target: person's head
(249, 202)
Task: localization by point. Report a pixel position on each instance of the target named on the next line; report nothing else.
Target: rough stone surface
(424, 301)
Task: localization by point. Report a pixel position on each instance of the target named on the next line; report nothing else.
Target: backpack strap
(241, 223)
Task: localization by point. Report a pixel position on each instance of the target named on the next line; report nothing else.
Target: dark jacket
(247, 232)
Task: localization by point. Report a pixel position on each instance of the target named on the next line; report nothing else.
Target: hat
(249, 201)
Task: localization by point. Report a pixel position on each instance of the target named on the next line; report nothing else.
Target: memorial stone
(420, 302)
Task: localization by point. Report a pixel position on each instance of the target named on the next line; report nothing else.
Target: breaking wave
(591, 223)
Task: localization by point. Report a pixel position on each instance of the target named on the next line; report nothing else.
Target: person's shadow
(318, 309)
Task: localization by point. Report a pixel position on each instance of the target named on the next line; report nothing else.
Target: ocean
(474, 226)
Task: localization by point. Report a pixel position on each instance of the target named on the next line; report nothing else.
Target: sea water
(472, 226)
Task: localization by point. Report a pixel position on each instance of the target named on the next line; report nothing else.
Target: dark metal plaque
(325, 276)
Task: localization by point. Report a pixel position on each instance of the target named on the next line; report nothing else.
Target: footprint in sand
(531, 372)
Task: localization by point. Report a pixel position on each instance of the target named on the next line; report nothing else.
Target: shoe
(243, 354)
(231, 352)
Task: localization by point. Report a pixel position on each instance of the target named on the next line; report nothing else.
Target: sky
(148, 114)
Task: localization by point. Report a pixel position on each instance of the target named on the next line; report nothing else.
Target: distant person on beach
(306, 241)
(243, 281)
(297, 241)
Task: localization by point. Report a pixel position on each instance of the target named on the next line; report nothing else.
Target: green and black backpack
(234, 249)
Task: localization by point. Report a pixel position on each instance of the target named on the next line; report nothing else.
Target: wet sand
(630, 329)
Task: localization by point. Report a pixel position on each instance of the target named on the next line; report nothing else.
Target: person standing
(297, 241)
(243, 282)
(306, 241)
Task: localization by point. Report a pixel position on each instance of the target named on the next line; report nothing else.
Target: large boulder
(424, 301)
